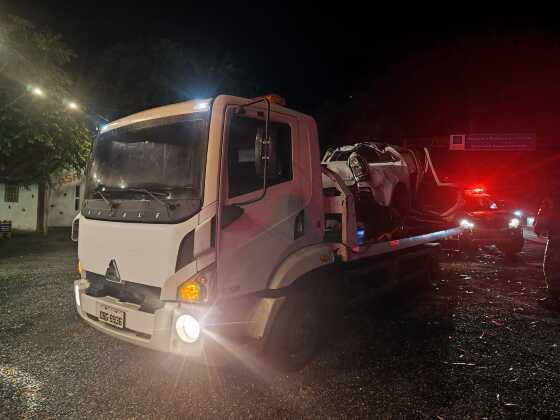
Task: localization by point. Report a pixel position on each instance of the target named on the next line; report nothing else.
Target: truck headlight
(188, 328)
(193, 290)
(514, 223)
(467, 224)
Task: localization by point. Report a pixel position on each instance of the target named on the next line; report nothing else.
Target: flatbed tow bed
(371, 269)
(351, 249)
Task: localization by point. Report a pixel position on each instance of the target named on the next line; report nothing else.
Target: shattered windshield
(161, 155)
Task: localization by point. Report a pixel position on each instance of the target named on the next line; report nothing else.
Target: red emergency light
(476, 189)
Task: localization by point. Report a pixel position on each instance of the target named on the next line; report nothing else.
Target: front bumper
(154, 331)
(235, 326)
(485, 236)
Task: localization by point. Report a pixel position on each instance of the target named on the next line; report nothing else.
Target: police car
(486, 223)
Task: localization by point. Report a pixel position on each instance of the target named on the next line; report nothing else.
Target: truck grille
(145, 296)
(492, 222)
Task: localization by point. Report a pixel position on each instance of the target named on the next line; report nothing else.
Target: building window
(77, 199)
(11, 193)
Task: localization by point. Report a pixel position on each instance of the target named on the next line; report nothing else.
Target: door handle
(299, 225)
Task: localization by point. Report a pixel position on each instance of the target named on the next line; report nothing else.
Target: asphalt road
(474, 345)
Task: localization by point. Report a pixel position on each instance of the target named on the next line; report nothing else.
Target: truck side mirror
(269, 153)
(265, 151)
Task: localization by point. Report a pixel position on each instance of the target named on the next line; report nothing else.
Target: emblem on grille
(112, 273)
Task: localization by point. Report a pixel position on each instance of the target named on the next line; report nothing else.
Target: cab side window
(387, 156)
(244, 133)
(369, 153)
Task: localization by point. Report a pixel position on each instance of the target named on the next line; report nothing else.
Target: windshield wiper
(161, 187)
(110, 203)
(154, 195)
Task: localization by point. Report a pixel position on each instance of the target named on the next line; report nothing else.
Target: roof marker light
(202, 106)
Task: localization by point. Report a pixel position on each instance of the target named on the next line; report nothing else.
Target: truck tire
(400, 206)
(298, 331)
(400, 201)
(467, 245)
(512, 248)
(434, 272)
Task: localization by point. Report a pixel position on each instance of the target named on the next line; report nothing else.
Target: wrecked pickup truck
(393, 184)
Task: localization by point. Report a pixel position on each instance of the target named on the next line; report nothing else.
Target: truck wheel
(297, 332)
(400, 205)
(512, 249)
(434, 272)
(468, 246)
(400, 201)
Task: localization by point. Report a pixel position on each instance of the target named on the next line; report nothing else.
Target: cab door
(257, 232)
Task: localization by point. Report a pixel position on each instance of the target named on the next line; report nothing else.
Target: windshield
(165, 154)
(480, 204)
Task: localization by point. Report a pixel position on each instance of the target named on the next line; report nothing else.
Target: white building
(23, 207)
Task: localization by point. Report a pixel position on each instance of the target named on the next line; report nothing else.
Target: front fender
(291, 269)
(300, 262)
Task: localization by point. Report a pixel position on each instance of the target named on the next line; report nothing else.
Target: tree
(39, 136)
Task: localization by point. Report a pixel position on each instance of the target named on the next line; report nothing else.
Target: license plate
(111, 316)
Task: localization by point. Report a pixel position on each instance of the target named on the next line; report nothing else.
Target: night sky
(362, 73)
(309, 55)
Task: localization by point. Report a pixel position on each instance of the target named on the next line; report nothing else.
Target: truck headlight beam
(77, 294)
(188, 328)
(466, 224)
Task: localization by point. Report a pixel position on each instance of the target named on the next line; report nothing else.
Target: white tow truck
(206, 225)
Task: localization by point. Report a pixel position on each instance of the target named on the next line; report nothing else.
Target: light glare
(77, 294)
(514, 223)
(202, 106)
(466, 224)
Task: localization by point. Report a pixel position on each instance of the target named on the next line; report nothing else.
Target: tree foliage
(39, 136)
(132, 76)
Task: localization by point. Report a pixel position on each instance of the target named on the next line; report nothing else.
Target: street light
(37, 91)
(73, 106)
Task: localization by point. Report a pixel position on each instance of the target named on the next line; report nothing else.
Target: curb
(530, 236)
